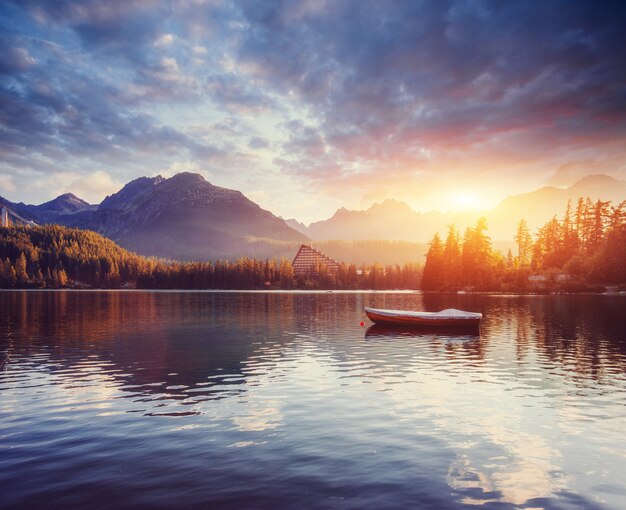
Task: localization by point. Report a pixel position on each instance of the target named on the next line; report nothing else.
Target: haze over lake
(281, 400)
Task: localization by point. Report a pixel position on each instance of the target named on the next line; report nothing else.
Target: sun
(464, 200)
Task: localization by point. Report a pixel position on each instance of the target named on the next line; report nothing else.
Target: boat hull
(413, 321)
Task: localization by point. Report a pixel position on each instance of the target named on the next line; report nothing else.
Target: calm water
(209, 400)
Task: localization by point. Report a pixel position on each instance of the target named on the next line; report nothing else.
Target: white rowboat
(445, 318)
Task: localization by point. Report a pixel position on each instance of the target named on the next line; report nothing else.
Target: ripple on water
(272, 400)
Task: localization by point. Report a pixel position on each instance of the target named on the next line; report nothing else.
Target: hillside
(183, 217)
(48, 256)
(54, 256)
(188, 218)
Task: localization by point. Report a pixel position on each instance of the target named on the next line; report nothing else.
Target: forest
(584, 250)
(58, 257)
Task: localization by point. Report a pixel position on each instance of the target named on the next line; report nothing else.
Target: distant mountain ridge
(48, 212)
(183, 217)
(187, 218)
(392, 219)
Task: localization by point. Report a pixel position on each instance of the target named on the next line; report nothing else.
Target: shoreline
(329, 291)
(230, 291)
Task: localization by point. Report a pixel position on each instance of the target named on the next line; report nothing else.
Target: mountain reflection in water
(281, 400)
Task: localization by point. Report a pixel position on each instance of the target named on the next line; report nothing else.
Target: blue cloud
(131, 85)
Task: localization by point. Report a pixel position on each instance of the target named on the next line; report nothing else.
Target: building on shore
(308, 259)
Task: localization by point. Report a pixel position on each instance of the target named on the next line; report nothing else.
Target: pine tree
(570, 244)
(433, 275)
(580, 219)
(547, 245)
(618, 215)
(524, 243)
(20, 270)
(510, 261)
(452, 259)
(597, 221)
(40, 281)
(587, 224)
(477, 257)
(9, 275)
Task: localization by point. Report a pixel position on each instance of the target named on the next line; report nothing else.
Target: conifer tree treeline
(55, 257)
(588, 245)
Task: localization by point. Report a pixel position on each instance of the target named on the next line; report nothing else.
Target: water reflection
(451, 334)
(253, 400)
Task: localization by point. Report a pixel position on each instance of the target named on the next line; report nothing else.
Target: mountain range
(187, 218)
(392, 219)
(183, 217)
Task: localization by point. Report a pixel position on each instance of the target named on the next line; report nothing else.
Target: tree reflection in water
(292, 381)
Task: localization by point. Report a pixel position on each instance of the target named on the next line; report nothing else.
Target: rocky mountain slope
(183, 217)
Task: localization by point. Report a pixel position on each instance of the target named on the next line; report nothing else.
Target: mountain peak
(65, 204)
(390, 205)
(69, 196)
(146, 180)
(342, 212)
(130, 191)
(595, 180)
(188, 178)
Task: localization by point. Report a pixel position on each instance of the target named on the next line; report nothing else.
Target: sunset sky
(307, 106)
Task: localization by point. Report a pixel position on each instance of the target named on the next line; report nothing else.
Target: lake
(282, 400)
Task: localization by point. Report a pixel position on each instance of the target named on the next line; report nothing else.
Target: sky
(308, 106)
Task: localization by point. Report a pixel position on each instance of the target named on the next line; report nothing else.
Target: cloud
(92, 187)
(64, 111)
(15, 59)
(6, 184)
(164, 40)
(609, 163)
(120, 29)
(236, 94)
(258, 142)
(328, 96)
(453, 75)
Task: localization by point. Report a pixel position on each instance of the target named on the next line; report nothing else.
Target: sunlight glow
(464, 200)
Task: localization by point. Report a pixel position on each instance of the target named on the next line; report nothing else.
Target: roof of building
(308, 256)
